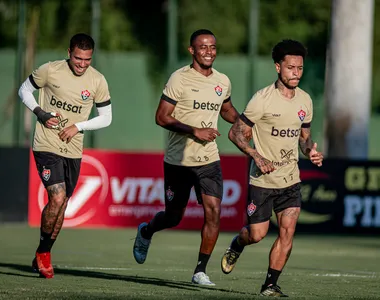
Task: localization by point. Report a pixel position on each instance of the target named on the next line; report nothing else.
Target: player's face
(80, 60)
(290, 70)
(203, 50)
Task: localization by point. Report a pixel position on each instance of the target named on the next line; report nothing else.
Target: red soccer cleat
(42, 264)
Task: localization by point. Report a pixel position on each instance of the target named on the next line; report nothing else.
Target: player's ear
(68, 52)
(278, 67)
(191, 50)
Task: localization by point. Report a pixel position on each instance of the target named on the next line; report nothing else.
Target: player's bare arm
(309, 148)
(165, 119)
(228, 112)
(241, 134)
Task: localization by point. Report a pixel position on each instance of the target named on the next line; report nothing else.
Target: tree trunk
(348, 79)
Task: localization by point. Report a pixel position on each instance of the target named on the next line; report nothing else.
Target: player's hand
(315, 156)
(206, 134)
(265, 165)
(68, 133)
(48, 119)
(53, 121)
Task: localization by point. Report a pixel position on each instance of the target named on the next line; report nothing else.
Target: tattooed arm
(305, 141)
(309, 148)
(241, 134)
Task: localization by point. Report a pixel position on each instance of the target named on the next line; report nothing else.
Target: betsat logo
(65, 106)
(205, 105)
(286, 133)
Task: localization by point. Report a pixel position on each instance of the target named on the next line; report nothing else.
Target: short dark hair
(288, 47)
(82, 41)
(198, 33)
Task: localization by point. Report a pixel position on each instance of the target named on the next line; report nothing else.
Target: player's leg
(259, 211)
(51, 170)
(72, 170)
(209, 190)
(177, 182)
(287, 208)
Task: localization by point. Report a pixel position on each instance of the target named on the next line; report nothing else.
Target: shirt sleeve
(309, 114)
(102, 95)
(172, 92)
(228, 94)
(39, 77)
(254, 110)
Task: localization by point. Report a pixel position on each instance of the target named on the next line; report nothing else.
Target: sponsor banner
(117, 189)
(341, 196)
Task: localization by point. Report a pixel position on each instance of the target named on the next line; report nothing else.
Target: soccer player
(278, 119)
(189, 108)
(68, 90)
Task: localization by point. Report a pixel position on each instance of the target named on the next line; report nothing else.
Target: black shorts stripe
(167, 99)
(226, 100)
(246, 120)
(102, 104)
(306, 125)
(31, 79)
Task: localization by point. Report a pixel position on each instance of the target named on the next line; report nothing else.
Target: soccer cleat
(202, 279)
(42, 264)
(141, 246)
(272, 290)
(229, 260)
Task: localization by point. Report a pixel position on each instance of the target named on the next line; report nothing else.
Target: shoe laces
(232, 256)
(143, 243)
(275, 288)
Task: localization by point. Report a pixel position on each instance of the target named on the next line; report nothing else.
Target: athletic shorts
(262, 201)
(179, 180)
(53, 169)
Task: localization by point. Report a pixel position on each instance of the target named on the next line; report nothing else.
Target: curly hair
(288, 47)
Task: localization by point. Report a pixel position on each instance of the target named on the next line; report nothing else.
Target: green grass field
(98, 264)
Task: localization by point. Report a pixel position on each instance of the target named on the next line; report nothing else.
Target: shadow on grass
(182, 285)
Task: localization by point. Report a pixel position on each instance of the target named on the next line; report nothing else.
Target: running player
(68, 90)
(278, 118)
(189, 108)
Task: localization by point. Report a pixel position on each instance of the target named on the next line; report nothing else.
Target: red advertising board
(118, 189)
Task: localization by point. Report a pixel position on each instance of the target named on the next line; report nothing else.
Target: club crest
(251, 209)
(169, 194)
(46, 174)
(302, 115)
(85, 94)
(218, 90)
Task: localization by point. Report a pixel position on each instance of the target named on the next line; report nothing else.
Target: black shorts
(262, 201)
(53, 169)
(179, 180)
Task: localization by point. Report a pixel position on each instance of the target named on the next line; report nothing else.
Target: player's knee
(58, 200)
(256, 237)
(287, 233)
(212, 214)
(173, 220)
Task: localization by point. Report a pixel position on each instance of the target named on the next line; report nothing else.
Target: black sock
(146, 232)
(45, 242)
(236, 246)
(51, 243)
(272, 277)
(159, 222)
(202, 262)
